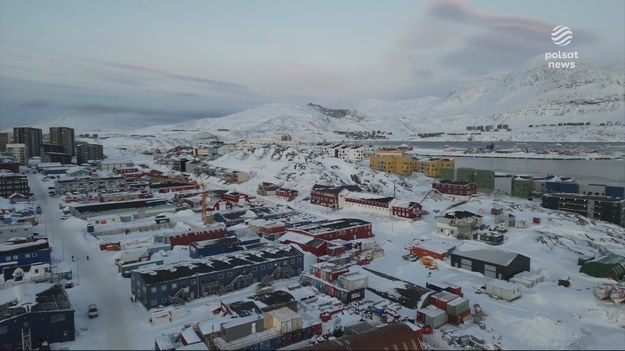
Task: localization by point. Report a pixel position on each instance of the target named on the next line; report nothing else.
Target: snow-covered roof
(503, 284)
(190, 336)
(499, 257)
(284, 314)
(296, 238)
(24, 294)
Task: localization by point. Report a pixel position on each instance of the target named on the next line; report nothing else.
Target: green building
(485, 180)
(447, 174)
(465, 175)
(610, 266)
(522, 187)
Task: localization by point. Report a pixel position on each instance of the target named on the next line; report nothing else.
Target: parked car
(51, 188)
(38, 209)
(93, 310)
(69, 285)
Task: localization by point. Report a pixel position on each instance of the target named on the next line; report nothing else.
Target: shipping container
(307, 332)
(266, 345)
(276, 343)
(521, 281)
(459, 319)
(317, 329)
(434, 317)
(441, 298)
(297, 336)
(287, 339)
(457, 306)
(504, 290)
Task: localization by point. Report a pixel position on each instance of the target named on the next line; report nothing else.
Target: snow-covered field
(547, 316)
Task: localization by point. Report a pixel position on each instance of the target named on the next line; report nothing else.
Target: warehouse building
(190, 280)
(137, 208)
(496, 264)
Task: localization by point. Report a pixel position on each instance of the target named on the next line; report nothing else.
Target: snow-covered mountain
(535, 94)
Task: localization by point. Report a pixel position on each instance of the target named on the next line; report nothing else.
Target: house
(406, 209)
(379, 205)
(40, 310)
(266, 188)
(317, 247)
(459, 224)
(455, 187)
(271, 230)
(330, 196)
(288, 194)
(235, 197)
(235, 177)
(188, 280)
(609, 266)
(503, 290)
(497, 264)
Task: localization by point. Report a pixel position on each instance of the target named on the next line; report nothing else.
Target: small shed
(504, 290)
(609, 266)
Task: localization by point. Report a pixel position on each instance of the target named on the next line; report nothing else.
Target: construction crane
(205, 218)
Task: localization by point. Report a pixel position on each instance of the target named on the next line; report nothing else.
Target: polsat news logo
(561, 36)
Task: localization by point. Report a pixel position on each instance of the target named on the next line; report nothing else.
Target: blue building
(42, 309)
(562, 187)
(240, 237)
(185, 281)
(15, 255)
(615, 191)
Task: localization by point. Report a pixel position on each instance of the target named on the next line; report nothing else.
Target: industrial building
(33, 313)
(137, 208)
(609, 209)
(184, 281)
(496, 264)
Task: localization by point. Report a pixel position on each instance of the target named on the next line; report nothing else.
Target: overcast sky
(172, 61)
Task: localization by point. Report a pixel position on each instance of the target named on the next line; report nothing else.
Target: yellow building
(393, 162)
(432, 167)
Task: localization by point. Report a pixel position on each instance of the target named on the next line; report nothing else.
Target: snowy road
(96, 280)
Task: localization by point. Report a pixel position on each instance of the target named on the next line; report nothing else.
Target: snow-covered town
(293, 246)
(312, 175)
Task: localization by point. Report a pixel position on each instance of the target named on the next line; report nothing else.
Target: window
(174, 285)
(229, 274)
(253, 269)
(57, 317)
(153, 289)
(8, 258)
(153, 302)
(34, 254)
(262, 267)
(221, 276)
(27, 255)
(164, 287)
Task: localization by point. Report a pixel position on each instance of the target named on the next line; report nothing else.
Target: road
(96, 280)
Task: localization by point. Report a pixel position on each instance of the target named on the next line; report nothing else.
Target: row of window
(15, 257)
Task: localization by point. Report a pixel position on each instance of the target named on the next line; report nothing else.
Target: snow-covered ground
(547, 316)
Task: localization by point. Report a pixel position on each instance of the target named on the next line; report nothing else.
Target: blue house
(42, 309)
(213, 247)
(188, 280)
(15, 255)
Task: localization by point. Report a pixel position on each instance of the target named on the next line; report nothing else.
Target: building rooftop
(216, 263)
(331, 189)
(320, 228)
(585, 197)
(121, 205)
(499, 257)
(38, 297)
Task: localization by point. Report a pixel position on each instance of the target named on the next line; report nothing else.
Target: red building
(186, 238)
(455, 188)
(272, 228)
(328, 196)
(345, 229)
(315, 246)
(235, 197)
(405, 209)
(288, 194)
(434, 249)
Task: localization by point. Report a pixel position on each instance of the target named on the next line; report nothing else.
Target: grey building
(4, 140)
(605, 208)
(32, 137)
(185, 281)
(63, 136)
(496, 264)
(11, 183)
(89, 152)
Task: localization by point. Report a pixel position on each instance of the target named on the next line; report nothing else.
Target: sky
(159, 61)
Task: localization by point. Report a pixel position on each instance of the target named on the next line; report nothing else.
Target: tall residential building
(31, 137)
(63, 136)
(19, 152)
(86, 152)
(4, 140)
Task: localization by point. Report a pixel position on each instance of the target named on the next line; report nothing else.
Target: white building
(19, 152)
(264, 142)
(353, 153)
